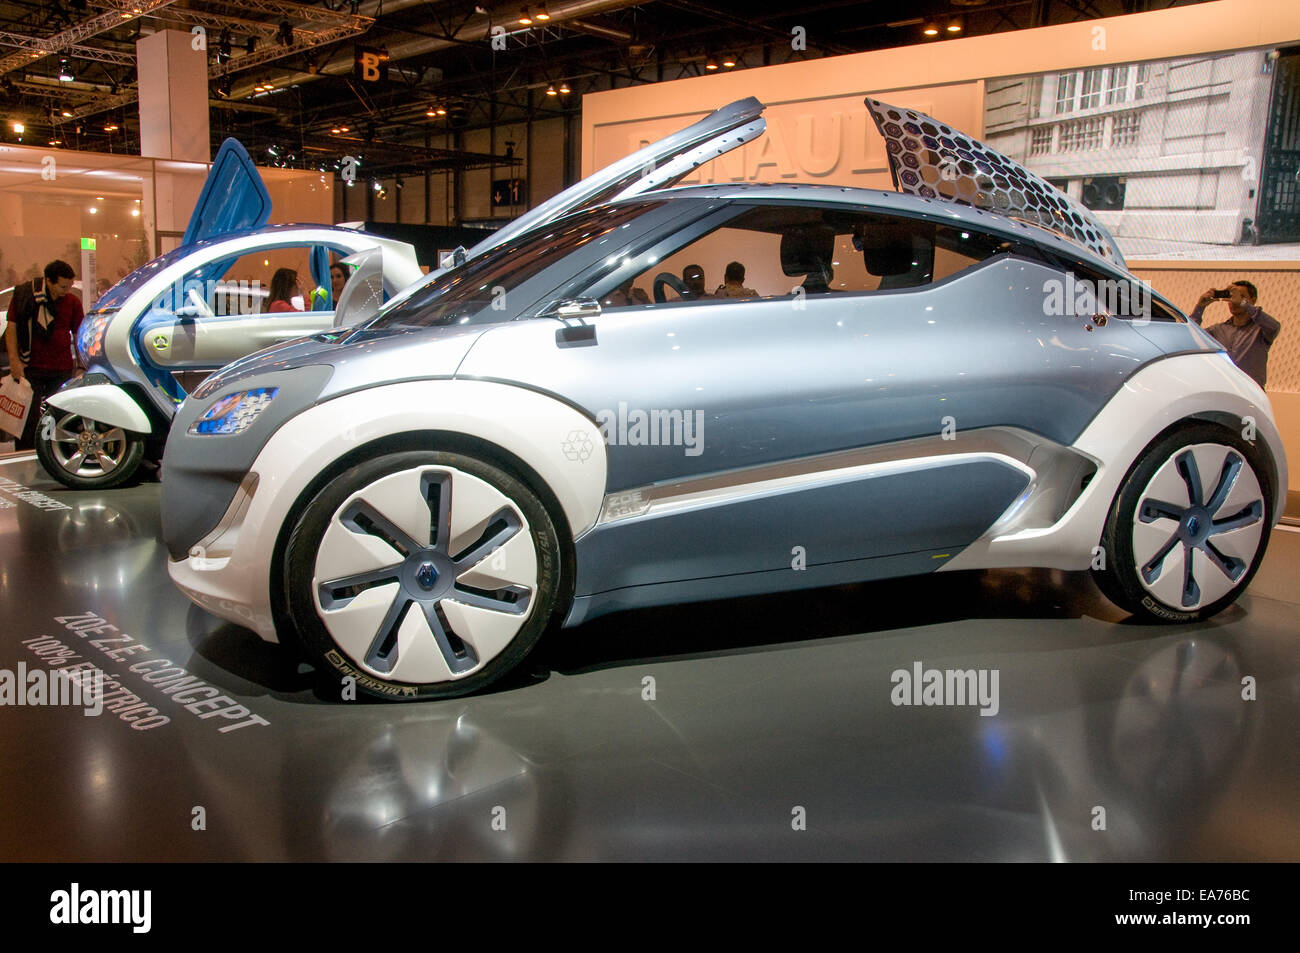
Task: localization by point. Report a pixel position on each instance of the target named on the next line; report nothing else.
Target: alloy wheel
(1197, 526)
(425, 575)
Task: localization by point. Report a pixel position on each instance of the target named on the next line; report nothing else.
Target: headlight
(90, 336)
(234, 413)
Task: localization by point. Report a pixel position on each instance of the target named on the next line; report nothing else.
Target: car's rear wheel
(84, 454)
(422, 574)
(1188, 527)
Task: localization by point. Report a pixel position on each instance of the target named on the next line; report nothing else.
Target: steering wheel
(672, 281)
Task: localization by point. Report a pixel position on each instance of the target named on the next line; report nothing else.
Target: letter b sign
(370, 65)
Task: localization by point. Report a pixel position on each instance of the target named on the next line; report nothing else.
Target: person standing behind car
(339, 276)
(43, 319)
(284, 288)
(1248, 334)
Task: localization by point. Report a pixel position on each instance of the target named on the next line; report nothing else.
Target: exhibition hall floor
(746, 730)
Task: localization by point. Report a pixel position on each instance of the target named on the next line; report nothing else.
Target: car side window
(791, 250)
(245, 286)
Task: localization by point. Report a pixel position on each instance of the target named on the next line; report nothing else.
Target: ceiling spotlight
(524, 18)
(431, 112)
(336, 130)
(65, 71)
(99, 198)
(728, 61)
(441, 110)
(551, 91)
(19, 127)
(135, 213)
(344, 129)
(56, 142)
(67, 114)
(564, 88)
(931, 29)
(710, 63)
(954, 25)
(110, 127)
(541, 14)
(92, 210)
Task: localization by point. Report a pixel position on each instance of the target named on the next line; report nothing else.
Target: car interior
(797, 250)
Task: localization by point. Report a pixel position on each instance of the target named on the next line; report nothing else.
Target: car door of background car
(180, 344)
(745, 435)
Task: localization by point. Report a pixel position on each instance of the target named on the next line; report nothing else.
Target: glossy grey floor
(771, 732)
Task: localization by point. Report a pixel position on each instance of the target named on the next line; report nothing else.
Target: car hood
(360, 358)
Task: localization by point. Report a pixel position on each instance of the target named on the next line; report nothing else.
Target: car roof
(937, 209)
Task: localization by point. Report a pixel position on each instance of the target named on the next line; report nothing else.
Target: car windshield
(470, 294)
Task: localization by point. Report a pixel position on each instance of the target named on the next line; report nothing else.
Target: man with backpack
(44, 316)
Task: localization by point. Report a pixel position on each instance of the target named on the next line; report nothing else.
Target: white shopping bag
(15, 404)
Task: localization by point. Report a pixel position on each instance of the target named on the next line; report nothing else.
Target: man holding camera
(1249, 332)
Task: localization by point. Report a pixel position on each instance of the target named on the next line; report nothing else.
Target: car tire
(84, 454)
(1198, 493)
(422, 574)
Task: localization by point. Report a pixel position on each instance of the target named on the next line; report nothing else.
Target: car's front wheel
(422, 574)
(1188, 527)
(84, 454)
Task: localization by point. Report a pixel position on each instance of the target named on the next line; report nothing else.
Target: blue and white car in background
(559, 426)
(173, 321)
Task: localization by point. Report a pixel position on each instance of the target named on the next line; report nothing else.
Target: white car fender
(103, 403)
(230, 571)
(1157, 396)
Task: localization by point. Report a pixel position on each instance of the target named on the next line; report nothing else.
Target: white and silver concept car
(175, 320)
(643, 394)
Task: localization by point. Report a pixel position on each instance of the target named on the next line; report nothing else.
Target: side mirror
(568, 310)
(364, 291)
(575, 313)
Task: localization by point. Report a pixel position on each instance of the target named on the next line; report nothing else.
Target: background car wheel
(422, 574)
(84, 454)
(1188, 527)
